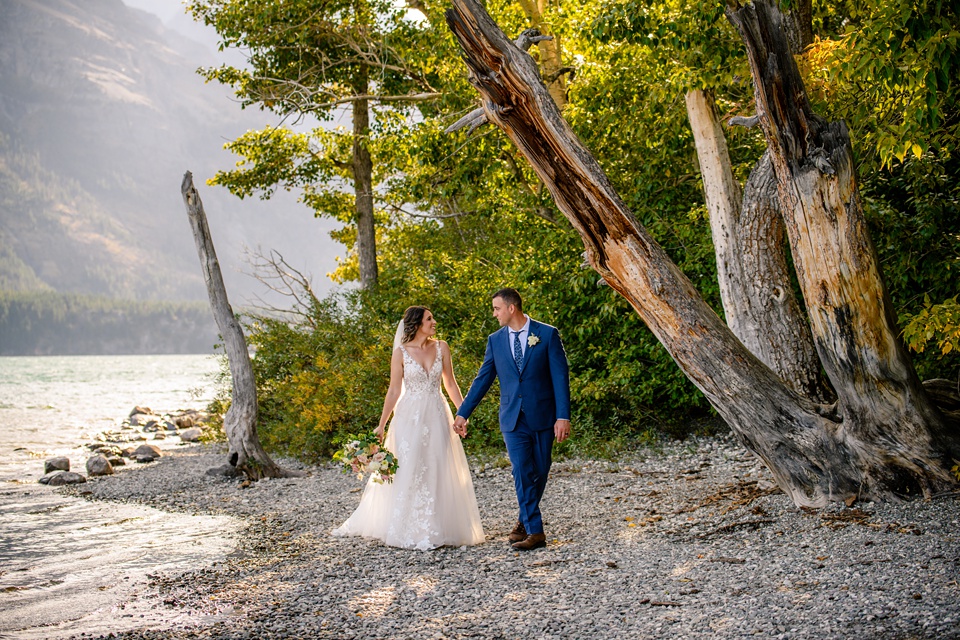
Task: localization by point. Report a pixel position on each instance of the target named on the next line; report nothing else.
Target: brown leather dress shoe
(531, 542)
(518, 533)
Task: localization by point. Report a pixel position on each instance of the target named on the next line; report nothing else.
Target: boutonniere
(532, 340)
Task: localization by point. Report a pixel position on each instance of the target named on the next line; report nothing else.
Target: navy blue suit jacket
(541, 389)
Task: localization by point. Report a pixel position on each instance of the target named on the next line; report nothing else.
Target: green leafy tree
(310, 60)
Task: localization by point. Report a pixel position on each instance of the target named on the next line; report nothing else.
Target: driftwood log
(240, 421)
(883, 438)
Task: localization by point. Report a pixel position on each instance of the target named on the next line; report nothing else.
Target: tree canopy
(459, 215)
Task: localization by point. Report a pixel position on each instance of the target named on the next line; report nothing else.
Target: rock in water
(191, 435)
(139, 409)
(144, 419)
(60, 478)
(99, 466)
(56, 464)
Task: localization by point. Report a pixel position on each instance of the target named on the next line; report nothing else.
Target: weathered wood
(240, 421)
(478, 117)
(363, 187)
(749, 241)
(804, 444)
(551, 66)
(881, 398)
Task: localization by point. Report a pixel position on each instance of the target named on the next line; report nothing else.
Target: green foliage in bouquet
(363, 454)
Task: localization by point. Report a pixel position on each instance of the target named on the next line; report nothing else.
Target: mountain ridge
(101, 112)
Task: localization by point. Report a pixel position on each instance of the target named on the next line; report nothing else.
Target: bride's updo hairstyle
(412, 319)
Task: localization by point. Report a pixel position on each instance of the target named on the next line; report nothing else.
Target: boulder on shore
(146, 453)
(60, 478)
(117, 461)
(128, 452)
(191, 435)
(184, 422)
(99, 466)
(227, 470)
(60, 463)
(138, 409)
(147, 450)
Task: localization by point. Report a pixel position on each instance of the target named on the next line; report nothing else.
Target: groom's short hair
(509, 296)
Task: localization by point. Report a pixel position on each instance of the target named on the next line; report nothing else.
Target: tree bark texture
(748, 238)
(799, 25)
(240, 421)
(850, 312)
(363, 189)
(808, 448)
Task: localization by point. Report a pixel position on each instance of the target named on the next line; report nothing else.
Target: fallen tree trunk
(808, 447)
(240, 421)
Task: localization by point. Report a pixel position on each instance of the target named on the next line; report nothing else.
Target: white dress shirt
(524, 334)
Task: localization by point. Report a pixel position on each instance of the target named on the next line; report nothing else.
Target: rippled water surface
(68, 565)
(53, 404)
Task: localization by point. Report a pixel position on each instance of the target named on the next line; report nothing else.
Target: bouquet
(364, 454)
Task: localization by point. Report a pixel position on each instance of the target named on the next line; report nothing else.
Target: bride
(430, 502)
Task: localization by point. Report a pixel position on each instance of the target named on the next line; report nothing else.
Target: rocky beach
(692, 540)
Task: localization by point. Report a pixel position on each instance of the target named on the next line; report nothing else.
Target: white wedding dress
(430, 502)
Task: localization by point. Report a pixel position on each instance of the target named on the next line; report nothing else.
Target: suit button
(519, 396)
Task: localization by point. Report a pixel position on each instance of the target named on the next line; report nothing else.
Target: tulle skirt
(431, 501)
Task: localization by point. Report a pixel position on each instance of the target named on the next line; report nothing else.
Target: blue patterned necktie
(517, 350)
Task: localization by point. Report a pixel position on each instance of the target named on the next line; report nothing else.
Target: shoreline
(692, 542)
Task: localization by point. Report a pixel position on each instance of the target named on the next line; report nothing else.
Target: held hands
(561, 430)
(460, 426)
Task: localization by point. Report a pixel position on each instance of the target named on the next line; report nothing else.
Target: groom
(528, 358)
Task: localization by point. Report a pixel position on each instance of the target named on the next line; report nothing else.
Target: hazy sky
(166, 9)
(173, 15)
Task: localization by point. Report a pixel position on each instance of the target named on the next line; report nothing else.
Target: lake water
(51, 405)
(67, 565)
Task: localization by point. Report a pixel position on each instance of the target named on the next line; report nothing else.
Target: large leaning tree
(884, 436)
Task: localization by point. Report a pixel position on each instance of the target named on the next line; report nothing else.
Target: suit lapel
(507, 348)
(534, 331)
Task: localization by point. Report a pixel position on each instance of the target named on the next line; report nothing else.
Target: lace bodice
(418, 380)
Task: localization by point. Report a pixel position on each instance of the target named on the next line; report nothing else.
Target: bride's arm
(450, 380)
(393, 393)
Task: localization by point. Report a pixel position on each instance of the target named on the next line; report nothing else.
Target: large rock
(60, 478)
(147, 450)
(184, 422)
(60, 463)
(191, 435)
(99, 466)
(116, 461)
(146, 453)
(227, 470)
(128, 452)
(138, 409)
